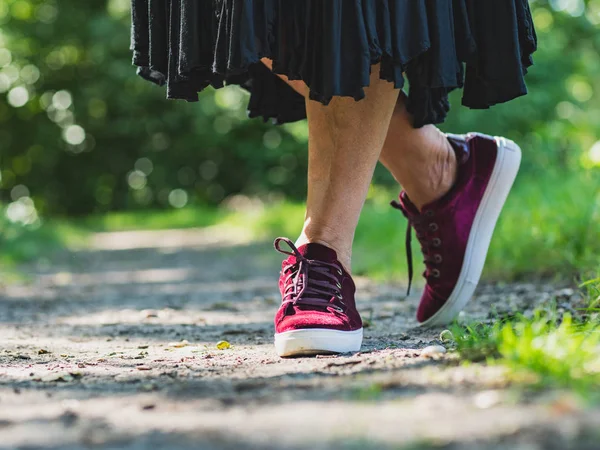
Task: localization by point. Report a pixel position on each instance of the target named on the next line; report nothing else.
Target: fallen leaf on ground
(181, 344)
(42, 351)
(447, 336)
(223, 345)
(59, 377)
(564, 405)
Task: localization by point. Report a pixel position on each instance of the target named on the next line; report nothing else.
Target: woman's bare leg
(345, 141)
(420, 159)
(298, 85)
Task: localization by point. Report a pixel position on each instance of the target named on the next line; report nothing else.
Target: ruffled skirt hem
(331, 45)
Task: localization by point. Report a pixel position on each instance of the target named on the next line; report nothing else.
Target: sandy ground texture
(115, 347)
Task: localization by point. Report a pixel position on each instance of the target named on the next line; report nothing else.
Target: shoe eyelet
(438, 258)
(429, 214)
(437, 242)
(337, 308)
(434, 227)
(339, 271)
(436, 273)
(338, 285)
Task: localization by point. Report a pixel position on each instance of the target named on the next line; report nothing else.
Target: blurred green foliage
(80, 133)
(84, 134)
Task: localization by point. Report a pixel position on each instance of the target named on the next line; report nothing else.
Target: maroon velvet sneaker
(455, 231)
(318, 314)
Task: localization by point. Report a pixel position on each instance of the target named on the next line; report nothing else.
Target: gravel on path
(116, 346)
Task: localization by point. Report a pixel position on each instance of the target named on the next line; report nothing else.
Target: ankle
(435, 176)
(329, 238)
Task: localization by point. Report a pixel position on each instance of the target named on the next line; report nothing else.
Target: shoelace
(427, 242)
(304, 289)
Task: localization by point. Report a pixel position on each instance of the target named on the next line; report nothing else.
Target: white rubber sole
(317, 341)
(503, 176)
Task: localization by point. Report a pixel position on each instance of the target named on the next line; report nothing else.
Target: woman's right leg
(318, 311)
(345, 141)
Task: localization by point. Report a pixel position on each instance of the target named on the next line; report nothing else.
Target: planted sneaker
(317, 314)
(455, 231)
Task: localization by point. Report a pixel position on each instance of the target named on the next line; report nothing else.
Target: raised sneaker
(455, 231)
(318, 314)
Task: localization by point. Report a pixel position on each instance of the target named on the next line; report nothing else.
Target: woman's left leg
(420, 159)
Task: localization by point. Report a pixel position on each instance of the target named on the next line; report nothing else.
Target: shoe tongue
(318, 252)
(461, 147)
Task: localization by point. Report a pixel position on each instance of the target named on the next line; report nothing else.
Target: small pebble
(143, 368)
(68, 418)
(433, 350)
(486, 399)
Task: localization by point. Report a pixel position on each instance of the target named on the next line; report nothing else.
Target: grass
(25, 243)
(546, 350)
(592, 288)
(197, 216)
(550, 227)
(22, 243)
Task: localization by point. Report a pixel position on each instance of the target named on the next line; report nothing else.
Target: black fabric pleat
(437, 46)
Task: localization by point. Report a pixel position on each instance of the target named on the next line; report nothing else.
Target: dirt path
(92, 356)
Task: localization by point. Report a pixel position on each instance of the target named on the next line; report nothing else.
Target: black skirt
(483, 46)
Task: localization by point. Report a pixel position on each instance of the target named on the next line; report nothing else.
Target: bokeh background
(84, 141)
